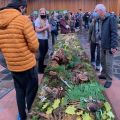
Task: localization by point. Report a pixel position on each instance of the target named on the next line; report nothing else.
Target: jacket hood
(7, 15)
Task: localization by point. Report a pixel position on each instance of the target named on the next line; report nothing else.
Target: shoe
(97, 68)
(93, 64)
(107, 84)
(18, 118)
(44, 66)
(102, 77)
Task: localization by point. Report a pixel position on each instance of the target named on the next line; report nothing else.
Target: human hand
(113, 50)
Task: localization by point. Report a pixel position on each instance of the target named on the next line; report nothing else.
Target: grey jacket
(109, 36)
(94, 31)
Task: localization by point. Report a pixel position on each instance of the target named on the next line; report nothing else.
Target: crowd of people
(20, 39)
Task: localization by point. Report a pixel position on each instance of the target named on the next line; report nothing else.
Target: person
(72, 23)
(109, 43)
(42, 28)
(64, 25)
(54, 30)
(94, 39)
(77, 21)
(18, 43)
(86, 18)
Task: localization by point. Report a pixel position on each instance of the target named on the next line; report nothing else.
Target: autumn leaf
(49, 110)
(45, 106)
(56, 103)
(107, 106)
(79, 113)
(110, 114)
(86, 116)
(70, 110)
(104, 116)
(78, 118)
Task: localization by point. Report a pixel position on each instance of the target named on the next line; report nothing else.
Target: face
(100, 13)
(43, 14)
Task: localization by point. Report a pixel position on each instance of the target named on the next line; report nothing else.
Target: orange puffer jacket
(18, 40)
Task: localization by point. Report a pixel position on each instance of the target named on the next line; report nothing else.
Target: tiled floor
(8, 107)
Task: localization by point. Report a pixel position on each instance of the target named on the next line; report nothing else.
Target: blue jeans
(95, 50)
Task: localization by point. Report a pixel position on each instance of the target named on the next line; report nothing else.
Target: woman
(42, 28)
(64, 25)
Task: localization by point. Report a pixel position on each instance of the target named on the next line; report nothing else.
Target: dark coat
(63, 28)
(109, 36)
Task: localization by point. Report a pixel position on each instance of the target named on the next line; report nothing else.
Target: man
(18, 43)
(109, 38)
(94, 39)
(54, 31)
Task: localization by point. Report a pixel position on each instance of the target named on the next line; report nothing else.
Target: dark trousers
(86, 25)
(43, 49)
(26, 86)
(53, 37)
(107, 64)
(95, 50)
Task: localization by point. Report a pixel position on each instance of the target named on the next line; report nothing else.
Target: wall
(111, 5)
(73, 5)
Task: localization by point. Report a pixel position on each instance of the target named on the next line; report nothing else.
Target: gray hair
(100, 7)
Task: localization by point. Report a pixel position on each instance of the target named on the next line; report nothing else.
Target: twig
(65, 82)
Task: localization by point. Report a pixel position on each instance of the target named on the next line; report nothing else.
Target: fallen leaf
(49, 110)
(56, 103)
(107, 106)
(78, 118)
(86, 116)
(79, 113)
(45, 106)
(110, 114)
(70, 110)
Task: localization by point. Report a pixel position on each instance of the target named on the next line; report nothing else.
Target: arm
(90, 32)
(38, 28)
(41, 29)
(30, 36)
(113, 32)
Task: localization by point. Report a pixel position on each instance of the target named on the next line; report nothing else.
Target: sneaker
(93, 64)
(98, 68)
(102, 77)
(107, 84)
(18, 118)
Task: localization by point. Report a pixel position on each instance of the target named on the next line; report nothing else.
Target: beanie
(17, 3)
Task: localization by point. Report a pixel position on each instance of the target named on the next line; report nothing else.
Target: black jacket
(109, 36)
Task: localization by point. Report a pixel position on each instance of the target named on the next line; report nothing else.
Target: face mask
(96, 15)
(43, 16)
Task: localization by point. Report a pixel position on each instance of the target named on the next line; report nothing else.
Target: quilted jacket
(18, 40)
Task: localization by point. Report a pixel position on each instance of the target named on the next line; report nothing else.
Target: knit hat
(17, 3)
